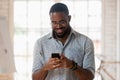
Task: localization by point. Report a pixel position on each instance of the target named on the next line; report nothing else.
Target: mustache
(60, 28)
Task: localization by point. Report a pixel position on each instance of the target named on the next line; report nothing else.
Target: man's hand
(66, 63)
(54, 63)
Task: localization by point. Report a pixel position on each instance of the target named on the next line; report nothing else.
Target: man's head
(59, 16)
(59, 7)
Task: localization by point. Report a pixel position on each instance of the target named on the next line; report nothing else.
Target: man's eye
(62, 22)
(54, 23)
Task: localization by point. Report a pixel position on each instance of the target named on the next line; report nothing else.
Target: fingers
(62, 56)
(66, 63)
(57, 65)
(54, 63)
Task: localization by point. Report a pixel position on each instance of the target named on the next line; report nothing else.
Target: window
(31, 19)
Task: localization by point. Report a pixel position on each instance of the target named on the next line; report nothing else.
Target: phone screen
(56, 55)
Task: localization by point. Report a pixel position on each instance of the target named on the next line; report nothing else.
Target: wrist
(44, 68)
(75, 66)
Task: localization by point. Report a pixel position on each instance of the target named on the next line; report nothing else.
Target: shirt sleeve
(88, 61)
(37, 57)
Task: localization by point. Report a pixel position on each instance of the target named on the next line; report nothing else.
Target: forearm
(84, 74)
(40, 74)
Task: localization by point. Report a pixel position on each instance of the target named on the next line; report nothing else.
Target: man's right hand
(52, 63)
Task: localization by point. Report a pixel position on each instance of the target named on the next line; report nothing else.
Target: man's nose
(58, 25)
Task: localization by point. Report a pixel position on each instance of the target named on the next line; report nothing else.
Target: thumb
(62, 56)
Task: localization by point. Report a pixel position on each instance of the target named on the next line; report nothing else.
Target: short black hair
(59, 7)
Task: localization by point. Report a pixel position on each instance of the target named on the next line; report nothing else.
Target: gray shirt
(78, 48)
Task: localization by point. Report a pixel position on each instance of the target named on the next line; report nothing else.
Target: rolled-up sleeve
(89, 62)
(37, 57)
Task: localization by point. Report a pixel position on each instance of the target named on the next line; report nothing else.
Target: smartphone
(55, 55)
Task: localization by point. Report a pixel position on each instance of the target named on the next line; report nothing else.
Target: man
(76, 51)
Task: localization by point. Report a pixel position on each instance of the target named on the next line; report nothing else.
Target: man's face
(60, 23)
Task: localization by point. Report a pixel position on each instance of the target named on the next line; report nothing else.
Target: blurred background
(27, 20)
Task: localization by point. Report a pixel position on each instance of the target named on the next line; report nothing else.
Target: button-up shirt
(77, 47)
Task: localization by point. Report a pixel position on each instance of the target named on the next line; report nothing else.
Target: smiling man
(76, 51)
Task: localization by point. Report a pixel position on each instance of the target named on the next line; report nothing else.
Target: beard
(66, 32)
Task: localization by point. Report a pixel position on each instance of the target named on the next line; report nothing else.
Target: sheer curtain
(31, 19)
